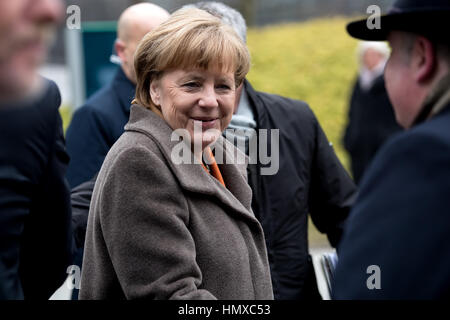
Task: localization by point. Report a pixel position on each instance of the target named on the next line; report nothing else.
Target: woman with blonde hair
(160, 228)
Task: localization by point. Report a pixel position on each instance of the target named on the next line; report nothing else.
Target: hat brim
(428, 23)
(360, 30)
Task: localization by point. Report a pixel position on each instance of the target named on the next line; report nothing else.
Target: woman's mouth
(205, 123)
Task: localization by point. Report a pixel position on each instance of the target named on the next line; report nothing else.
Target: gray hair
(227, 14)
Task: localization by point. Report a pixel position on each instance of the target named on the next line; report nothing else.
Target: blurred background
(299, 49)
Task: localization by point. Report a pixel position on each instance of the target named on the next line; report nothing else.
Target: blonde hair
(190, 38)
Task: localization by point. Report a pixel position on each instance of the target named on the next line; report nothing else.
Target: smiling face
(198, 98)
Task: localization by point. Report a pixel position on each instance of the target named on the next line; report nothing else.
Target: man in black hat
(396, 244)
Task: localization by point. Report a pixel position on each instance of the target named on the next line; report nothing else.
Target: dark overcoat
(397, 242)
(35, 220)
(310, 181)
(371, 122)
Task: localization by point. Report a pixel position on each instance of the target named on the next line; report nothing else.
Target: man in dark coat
(35, 221)
(100, 122)
(35, 217)
(396, 244)
(371, 119)
(309, 179)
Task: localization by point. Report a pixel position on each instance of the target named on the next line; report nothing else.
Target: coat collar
(257, 105)
(125, 90)
(437, 100)
(192, 177)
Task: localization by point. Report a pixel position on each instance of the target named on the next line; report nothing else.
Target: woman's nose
(208, 97)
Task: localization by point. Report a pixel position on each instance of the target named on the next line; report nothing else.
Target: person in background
(36, 244)
(163, 229)
(371, 116)
(396, 244)
(310, 179)
(100, 121)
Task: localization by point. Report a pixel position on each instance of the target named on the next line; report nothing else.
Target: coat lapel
(258, 106)
(192, 177)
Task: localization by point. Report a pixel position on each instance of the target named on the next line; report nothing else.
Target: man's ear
(120, 46)
(424, 59)
(155, 92)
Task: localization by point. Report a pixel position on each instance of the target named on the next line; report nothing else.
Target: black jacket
(96, 126)
(401, 220)
(35, 220)
(371, 122)
(310, 180)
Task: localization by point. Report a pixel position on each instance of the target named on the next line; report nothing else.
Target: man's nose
(45, 11)
(208, 97)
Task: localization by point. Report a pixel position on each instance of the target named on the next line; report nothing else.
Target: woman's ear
(155, 93)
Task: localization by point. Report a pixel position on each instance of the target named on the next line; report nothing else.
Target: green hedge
(66, 115)
(313, 61)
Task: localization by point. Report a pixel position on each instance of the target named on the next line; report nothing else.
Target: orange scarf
(215, 172)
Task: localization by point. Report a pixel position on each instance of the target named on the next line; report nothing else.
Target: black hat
(425, 17)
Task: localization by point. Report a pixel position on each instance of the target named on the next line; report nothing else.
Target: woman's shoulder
(132, 150)
(131, 143)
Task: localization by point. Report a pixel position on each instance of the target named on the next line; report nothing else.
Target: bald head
(140, 17)
(134, 23)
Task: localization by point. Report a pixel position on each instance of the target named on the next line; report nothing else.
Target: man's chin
(20, 86)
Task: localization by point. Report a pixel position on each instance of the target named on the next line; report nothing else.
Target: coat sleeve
(399, 224)
(87, 144)
(332, 191)
(145, 224)
(80, 197)
(49, 236)
(15, 187)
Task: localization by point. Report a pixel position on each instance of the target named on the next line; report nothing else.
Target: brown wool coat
(158, 230)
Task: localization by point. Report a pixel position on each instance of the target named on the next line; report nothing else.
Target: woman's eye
(191, 85)
(223, 87)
